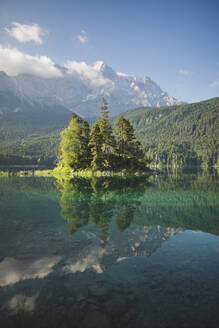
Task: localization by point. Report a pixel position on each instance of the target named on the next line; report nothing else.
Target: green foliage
(129, 149)
(99, 150)
(172, 135)
(125, 135)
(179, 135)
(102, 142)
(31, 137)
(96, 141)
(109, 143)
(74, 151)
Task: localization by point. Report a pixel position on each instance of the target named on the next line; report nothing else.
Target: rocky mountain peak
(82, 86)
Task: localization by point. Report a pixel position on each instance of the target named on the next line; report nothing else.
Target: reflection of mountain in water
(143, 241)
(135, 241)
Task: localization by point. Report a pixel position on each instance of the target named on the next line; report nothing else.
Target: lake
(110, 252)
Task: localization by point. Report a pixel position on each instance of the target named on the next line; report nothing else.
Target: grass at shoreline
(57, 173)
(90, 173)
(66, 174)
(27, 173)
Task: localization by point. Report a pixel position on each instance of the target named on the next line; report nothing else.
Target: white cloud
(214, 84)
(14, 62)
(91, 74)
(82, 37)
(184, 72)
(25, 33)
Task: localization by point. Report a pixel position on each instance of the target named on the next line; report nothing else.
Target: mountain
(81, 87)
(33, 111)
(187, 134)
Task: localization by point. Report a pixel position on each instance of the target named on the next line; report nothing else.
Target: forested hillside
(174, 135)
(29, 131)
(179, 135)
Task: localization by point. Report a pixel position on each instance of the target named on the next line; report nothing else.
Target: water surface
(110, 252)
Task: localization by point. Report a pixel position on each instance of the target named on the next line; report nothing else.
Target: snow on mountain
(80, 88)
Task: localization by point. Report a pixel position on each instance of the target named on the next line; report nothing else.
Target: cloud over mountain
(91, 74)
(14, 62)
(76, 86)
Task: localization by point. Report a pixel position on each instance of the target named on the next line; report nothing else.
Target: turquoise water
(110, 252)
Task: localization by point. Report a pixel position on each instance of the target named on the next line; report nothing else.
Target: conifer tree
(102, 141)
(125, 135)
(95, 145)
(85, 148)
(128, 147)
(80, 149)
(74, 150)
(109, 142)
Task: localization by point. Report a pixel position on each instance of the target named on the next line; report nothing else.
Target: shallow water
(110, 252)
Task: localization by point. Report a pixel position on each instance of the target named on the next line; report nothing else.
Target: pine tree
(125, 135)
(85, 148)
(74, 151)
(109, 142)
(102, 141)
(129, 149)
(95, 144)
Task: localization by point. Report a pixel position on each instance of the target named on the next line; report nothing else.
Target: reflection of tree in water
(187, 179)
(100, 199)
(125, 209)
(74, 201)
(124, 215)
(128, 199)
(101, 212)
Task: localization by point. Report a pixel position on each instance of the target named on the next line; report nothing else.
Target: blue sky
(176, 43)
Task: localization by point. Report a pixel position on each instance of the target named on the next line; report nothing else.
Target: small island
(101, 150)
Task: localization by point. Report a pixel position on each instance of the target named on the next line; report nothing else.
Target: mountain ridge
(81, 87)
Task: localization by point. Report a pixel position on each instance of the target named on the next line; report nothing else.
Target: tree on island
(128, 148)
(100, 149)
(102, 141)
(74, 151)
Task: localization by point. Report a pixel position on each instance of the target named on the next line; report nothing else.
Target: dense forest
(179, 135)
(174, 135)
